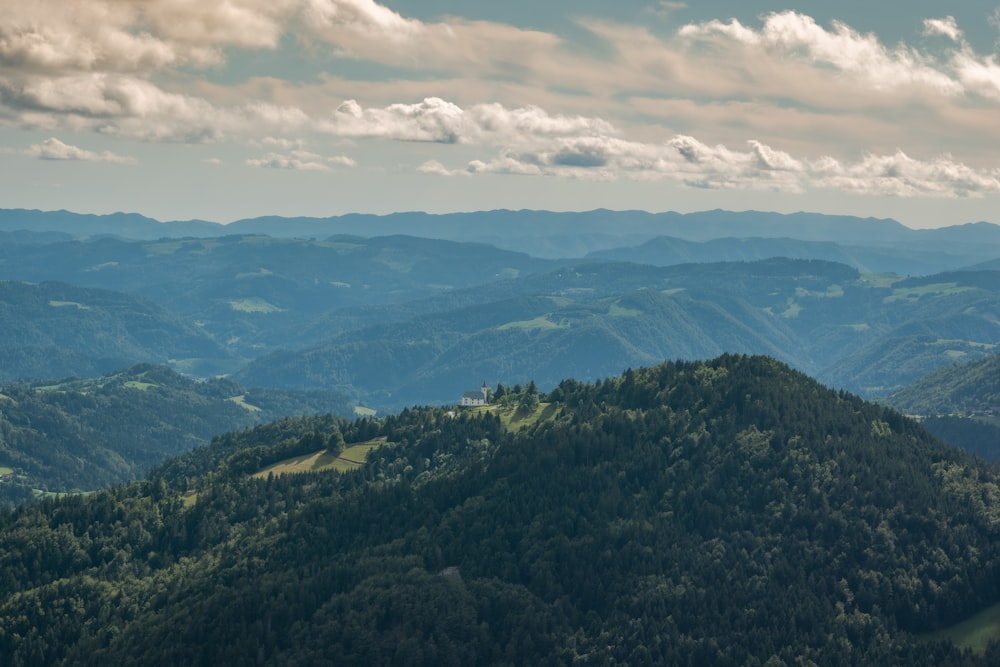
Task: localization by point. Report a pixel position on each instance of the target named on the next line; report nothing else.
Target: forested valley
(730, 512)
(78, 435)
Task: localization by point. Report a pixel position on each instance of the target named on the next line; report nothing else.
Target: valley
(655, 479)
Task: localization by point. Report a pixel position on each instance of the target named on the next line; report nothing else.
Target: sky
(222, 110)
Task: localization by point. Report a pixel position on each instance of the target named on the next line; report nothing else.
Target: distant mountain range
(558, 235)
(867, 334)
(399, 319)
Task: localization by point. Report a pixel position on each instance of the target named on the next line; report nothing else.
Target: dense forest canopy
(732, 512)
(84, 434)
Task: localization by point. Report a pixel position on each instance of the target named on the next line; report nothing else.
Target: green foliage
(846, 330)
(55, 330)
(972, 387)
(730, 513)
(81, 435)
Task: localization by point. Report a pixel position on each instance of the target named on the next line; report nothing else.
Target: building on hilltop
(473, 397)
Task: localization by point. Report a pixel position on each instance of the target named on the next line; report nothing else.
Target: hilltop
(732, 512)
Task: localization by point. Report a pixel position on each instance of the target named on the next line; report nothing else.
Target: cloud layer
(54, 149)
(782, 104)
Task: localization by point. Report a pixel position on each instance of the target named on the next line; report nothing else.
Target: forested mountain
(960, 404)
(867, 333)
(246, 290)
(82, 435)
(54, 330)
(732, 512)
(972, 387)
(906, 260)
(399, 320)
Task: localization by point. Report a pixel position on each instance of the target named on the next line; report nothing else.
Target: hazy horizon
(325, 107)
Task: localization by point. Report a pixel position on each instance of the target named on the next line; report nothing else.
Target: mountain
(958, 403)
(82, 225)
(314, 312)
(54, 330)
(732, 512)
(972, 387)
(86, 434)
(905, 260)
(544, 233)
(869, 334)
(247, 291)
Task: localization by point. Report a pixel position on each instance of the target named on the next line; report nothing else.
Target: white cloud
(300, 160)
(790, 34)
(761, 167)
(54, 149)
(435, 167)
(364, 17)
(342, 161)
(825, 94)
(440, 121)
(946, 27)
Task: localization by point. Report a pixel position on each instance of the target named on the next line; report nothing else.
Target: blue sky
(183, 109)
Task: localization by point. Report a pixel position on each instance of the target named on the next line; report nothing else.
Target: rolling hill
(732, 512)
(86, 434)
(869, 334)
(56, 330)
(245, 291)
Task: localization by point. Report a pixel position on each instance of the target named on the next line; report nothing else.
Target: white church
(473, 397)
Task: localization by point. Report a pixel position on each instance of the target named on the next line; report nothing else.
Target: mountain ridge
(730, 512)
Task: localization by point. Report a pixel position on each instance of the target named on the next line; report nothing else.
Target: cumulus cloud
(440, 121)
(54, 149)
(790, 34)
(435, 167)
(124, 69)
(758, 167)
(946, 27)
(300, 160)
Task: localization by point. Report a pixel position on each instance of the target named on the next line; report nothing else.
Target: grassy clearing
(541, 323)
(40, 494)
(355, 456)
(515, 420)
(342, 246)
(4, 470)
(253, 306)
(617, 310)
(351, 458)
(792, 311)
(321, 460)
(361, 411)
(68, 304)
(164, 248)
(882, 280)
(242, 402)
(141, 386)
(189, 499)
(973, 633)
(832, 292)
(259, 273)
(935, 289)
